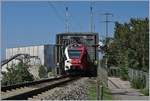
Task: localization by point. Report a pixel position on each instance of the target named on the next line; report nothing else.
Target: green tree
(130, 46)
(16, 74)
(42, 72)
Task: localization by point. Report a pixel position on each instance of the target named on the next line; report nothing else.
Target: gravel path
(76, 90)
(121, 90)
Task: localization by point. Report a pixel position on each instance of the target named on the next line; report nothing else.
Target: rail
(23, 92)
(5, 88)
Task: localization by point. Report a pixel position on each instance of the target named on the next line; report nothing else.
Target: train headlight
(79, 61)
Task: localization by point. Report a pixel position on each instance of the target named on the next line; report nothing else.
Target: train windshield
(74, 53)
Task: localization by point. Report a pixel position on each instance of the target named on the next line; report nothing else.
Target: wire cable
(61, 18)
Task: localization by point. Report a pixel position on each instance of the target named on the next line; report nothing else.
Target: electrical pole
(92, 26)
(107, 21)
(66, 20)
(91, 18)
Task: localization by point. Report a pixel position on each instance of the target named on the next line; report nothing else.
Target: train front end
(75, 60)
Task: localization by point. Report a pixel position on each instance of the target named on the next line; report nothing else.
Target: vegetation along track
(30, 89)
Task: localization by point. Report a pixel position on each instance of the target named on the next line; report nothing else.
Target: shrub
(42, 72)
(50, 74)
(16, 74)
(138, 83)
(145, 91)
(124, 73)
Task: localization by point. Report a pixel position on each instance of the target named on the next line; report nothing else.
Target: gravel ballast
(75, 90)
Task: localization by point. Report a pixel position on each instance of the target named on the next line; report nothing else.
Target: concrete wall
(31, 50)
(44, 52)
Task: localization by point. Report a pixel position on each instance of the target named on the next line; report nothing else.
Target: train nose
(75, 61)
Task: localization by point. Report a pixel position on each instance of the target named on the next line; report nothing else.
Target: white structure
(44, 52)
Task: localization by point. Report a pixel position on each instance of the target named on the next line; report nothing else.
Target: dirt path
(121, 90)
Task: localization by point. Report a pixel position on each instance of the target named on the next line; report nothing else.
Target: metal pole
(106, 40)
(106, 26)
(91, 9)
(67, 23)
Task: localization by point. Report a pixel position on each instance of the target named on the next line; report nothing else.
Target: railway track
(28, 90)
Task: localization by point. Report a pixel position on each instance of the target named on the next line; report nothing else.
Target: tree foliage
(130, 45)
(16, 74)
(42, 72)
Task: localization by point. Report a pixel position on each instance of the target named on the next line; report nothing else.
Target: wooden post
(98, 82)
(98, 90)
(101, 90)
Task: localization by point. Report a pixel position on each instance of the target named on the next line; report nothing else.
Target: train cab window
(74, 53)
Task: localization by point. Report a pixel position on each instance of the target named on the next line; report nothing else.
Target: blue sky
(33, 23)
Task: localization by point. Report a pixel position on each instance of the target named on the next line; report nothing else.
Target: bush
(145, 91)
(51, 74)
(124, 73)
(135, 83)
(16, 74)
(138, 83)
(42, 72)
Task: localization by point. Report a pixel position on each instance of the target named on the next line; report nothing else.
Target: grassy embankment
(91, 92)
(145, 91)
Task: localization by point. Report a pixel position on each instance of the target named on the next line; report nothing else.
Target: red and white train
(77, 59)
